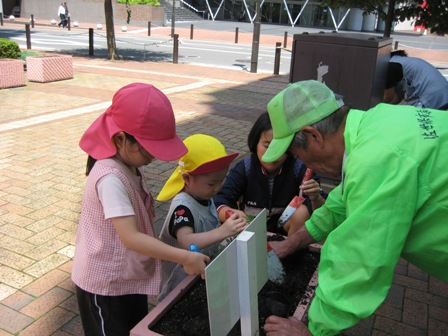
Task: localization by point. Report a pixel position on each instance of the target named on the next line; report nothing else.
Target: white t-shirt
(114, 198)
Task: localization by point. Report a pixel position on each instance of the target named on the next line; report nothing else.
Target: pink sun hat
(142, 111)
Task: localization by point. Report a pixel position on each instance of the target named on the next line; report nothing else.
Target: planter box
(45, 69)
(143, 328)
(11, 73)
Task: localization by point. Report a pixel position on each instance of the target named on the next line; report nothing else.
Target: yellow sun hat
(205, 154)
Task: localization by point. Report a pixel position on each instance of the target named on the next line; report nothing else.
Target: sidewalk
(42, 179)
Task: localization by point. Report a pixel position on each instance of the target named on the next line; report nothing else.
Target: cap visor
(277, 148)
(165, 150)
(214, 165)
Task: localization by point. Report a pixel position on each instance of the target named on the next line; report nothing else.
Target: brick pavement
(42, 178)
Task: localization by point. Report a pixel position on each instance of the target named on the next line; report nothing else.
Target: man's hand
(282, 248)
(298, 240)
(291, 326)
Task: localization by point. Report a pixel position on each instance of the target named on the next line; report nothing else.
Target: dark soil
(189, 316)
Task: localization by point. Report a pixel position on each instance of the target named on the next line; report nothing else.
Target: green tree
(433, 16)
(112, 53)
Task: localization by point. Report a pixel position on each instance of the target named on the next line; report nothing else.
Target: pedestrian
(67, 15)
(253, 185)
(117, 257)
(61, 15)
(192, 217)
(415, 82)
(392, 201)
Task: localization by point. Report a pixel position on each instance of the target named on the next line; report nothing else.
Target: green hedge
(9, 49)
(140, 2)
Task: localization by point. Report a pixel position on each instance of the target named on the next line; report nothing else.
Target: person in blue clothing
(252, 185)
(413, 81)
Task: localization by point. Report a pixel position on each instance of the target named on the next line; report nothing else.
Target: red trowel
(295, 203)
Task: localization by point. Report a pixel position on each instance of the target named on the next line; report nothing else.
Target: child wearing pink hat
(192, 217)
(117, 258)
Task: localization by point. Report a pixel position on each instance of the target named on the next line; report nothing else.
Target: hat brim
(214, 165)
(165, 150)
(172, 186)
(97, 139)
(277, 148)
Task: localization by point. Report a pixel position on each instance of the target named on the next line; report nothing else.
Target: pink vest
(102, 264)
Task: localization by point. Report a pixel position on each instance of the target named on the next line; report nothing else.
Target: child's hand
(312, 189)
(195, 263)
(233, 225)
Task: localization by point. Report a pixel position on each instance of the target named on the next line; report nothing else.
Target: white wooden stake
(247, 283)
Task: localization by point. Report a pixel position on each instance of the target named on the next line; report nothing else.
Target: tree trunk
(110, 31)
(389, 18)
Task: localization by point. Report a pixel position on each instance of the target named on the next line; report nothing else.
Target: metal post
(90, 41)
(149, 28)
(28, 36)
(278, 46)
(1, 19)
(176, 48)
(173, 17)
(191, 32)
(32, 20)
(285, 39)
(68, 23)
(255, 41)
(236, 35)
(396, 45)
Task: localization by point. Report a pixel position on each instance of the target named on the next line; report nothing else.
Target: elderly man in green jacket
(392, 201)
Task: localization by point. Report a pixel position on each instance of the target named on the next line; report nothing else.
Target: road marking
(87, 109)
(201, 79)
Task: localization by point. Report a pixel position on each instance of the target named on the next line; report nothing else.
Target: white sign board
(224, 280)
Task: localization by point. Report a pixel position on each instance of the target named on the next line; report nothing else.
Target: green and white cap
(300, 104)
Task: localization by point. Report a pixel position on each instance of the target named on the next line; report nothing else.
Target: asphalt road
(217, 54)
(156, 49)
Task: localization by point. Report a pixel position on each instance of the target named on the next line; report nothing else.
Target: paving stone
(415, 313)
(13, 321)
(410, 282)
(437, 328)
(438, 287)
(396, 328)
(74, 326)
(6, 291)
(49, 323)
(46, 265)
(46, 249)
(46, 302)
(364, 327)
(14, 278)
(427, 298)
(395, 296)
(14, 260)
(438, 313)
(46, 282)
(391, 312)
(417, 273)
(17, 300)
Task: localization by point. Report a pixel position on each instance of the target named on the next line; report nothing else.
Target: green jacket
(392, 202)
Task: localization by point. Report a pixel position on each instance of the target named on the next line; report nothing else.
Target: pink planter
(11, 73)
(45, 69)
